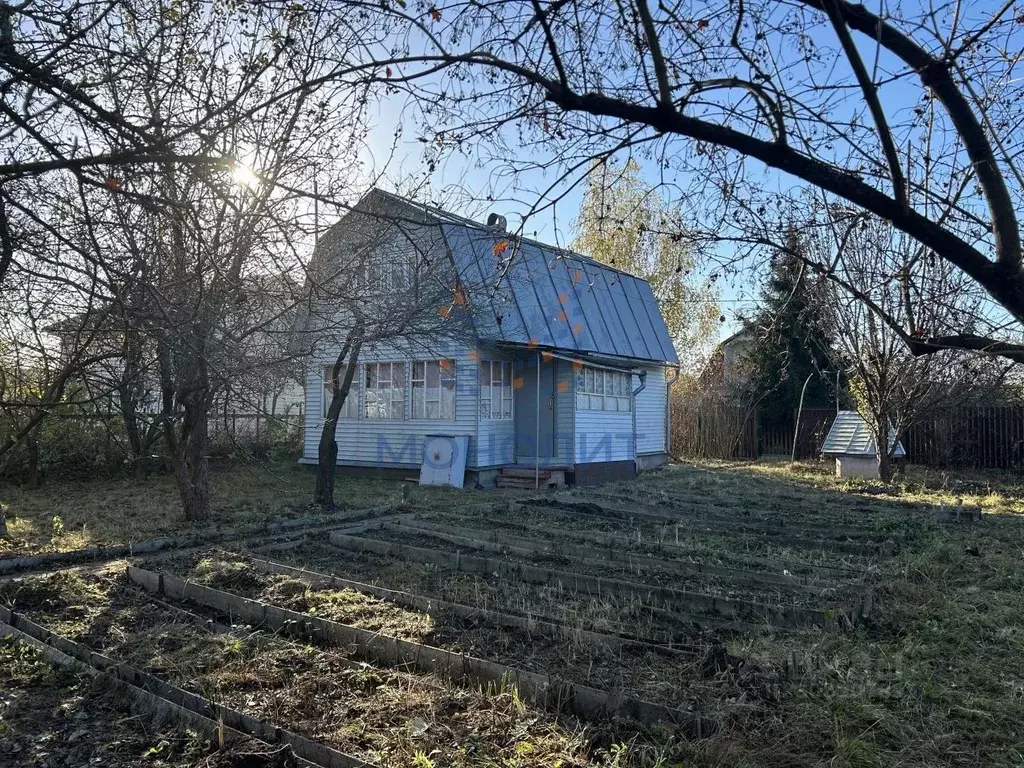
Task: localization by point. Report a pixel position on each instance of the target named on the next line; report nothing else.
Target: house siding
(393, 443)
(603, 436)
(565, 411)
(650, 413)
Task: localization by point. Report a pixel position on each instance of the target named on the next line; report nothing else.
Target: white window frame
(599, 389)
(393, 398)
(504, 390)
(350, 410)
(446, 383)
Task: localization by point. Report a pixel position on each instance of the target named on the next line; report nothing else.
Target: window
(350, 410)
(385, 391)
(433, 389)
(495, 389)
(600, 390)
(390, 267)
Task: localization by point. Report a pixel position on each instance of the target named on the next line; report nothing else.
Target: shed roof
(850, 436)
(533, 294)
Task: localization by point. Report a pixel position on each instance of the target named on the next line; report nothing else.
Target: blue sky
(472, 178)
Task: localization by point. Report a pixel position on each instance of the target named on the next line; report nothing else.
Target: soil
(699, 681)
(383, 716)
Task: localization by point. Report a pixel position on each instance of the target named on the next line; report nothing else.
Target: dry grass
(72, 515)
(53, 717)
(695, 682)
(381, 715)
(936, 678)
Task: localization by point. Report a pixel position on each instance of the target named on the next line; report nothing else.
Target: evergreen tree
(790, 340)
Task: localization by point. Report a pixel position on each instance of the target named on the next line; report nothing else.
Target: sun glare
(242, 176)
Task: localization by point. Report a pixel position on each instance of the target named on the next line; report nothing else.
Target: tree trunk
(32, 446)
(191, 466)
(882, 447)
(3, 524)
(327, 452)
(884, 466)
(187, 444)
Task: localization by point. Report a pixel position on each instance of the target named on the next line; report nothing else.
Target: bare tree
(184, 160)
(210, 126)
(890, 386)
(382, 275)
(909, 114)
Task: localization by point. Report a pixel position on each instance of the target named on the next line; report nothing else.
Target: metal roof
(850, 436)
(529, 293)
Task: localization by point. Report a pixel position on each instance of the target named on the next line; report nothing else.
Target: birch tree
(626, 223)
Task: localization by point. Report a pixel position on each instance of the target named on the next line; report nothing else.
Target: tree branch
(870, 91)
(937, 76)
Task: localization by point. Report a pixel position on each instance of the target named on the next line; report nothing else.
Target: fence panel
(979, 437)
(713, 431)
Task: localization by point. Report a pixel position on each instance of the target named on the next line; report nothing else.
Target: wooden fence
(977, 437)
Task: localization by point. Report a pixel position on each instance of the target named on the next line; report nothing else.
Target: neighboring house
(563, 367)
(260, 379)
(735, 352)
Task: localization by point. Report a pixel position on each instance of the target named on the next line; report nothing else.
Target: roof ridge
(473, 224)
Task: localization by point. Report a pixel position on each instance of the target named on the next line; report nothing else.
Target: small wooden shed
(851, 443)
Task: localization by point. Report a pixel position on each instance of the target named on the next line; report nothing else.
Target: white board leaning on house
(851, 443)
(444, 460)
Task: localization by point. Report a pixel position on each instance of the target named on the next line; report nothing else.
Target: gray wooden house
(565, 371)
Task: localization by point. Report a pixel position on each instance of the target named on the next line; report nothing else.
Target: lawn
(933, 675)
(63, 516)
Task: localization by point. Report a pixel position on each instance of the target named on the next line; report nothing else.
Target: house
(735, 351)
(257, 382)
(562, 369)
(850, 442)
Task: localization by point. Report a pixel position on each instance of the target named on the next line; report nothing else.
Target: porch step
(525, 477)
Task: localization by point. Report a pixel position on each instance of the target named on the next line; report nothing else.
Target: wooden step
(523, 477)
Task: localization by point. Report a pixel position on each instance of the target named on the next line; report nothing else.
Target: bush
(74, 446)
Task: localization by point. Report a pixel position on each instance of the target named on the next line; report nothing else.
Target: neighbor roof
(529, 293)
(850, 436)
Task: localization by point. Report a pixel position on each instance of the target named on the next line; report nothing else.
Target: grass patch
(936, 678)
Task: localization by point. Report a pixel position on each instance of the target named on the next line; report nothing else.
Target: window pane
(433, 375)
(447, 402)
(417, 371)
(485, 409)
(485, 373)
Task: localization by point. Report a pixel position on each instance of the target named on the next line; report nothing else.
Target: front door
(526, 403)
